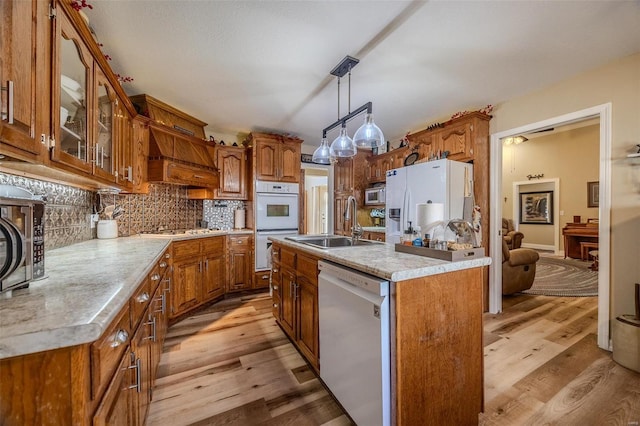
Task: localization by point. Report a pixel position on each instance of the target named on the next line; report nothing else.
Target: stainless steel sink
(330, 241)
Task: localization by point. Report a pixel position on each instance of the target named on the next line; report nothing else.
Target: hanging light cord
(338, 98)
(349, 98)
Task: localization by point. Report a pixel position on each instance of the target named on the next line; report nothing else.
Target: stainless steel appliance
(373, 196)
(276, 207)
(21, 238)
(355, 323)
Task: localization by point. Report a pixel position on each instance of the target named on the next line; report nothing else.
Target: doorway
(603, 114)
(315, 195)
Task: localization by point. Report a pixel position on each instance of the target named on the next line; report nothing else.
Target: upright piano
(574, 234)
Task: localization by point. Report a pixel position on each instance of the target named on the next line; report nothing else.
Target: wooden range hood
(180, 159)
(177, 152)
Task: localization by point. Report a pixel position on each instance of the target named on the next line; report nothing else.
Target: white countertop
(374, 229)
(87, 284)
(381, 260)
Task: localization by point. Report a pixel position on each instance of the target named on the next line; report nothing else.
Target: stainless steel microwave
(21, 238)
(374, 196)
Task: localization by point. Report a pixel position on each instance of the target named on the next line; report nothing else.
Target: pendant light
(368, 136)
(322, 153)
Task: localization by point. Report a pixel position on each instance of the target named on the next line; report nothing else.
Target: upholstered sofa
(518, 268)
(512, 237)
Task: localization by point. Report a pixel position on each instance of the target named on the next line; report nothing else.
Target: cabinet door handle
(275, 287)
(198, 176)
(163, 264)
(9, 90)
(162, 299)
(152, 323)
(275, 305)
(137, 366)
(206, 265)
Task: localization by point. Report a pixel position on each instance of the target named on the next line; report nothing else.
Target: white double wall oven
(276, 207)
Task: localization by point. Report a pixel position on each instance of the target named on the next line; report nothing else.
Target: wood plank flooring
(230, 364)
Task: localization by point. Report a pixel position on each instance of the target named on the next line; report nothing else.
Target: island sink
(330, 241)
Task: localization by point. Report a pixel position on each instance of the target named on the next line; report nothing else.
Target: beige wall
(571, 156)
(619, 84)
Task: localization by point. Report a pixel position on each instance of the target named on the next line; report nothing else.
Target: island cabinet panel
(295, 299)
(439, 358)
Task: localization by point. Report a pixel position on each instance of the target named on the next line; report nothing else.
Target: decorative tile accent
(221, 217)
(66, 214)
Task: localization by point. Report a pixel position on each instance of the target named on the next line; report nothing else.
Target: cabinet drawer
(308, 267)
(261, 279)
(188, 248)
(164, 264)
(275, 306)
(107, 351)
(213, 245)
(140, 300)
(155, 276)
(238, 241)
(287, 258)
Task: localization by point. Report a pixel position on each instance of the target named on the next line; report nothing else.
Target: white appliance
(276, 207)
(354, 317)
(440, 181)
(373, 196)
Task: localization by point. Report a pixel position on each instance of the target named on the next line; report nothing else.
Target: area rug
(564, 277)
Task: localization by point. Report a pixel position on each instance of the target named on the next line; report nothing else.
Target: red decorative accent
(124, 79)
(80, 4)
(107, 57)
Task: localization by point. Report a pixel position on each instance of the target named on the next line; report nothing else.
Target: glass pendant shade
(322, 155)
(368, 135)
(343, 145)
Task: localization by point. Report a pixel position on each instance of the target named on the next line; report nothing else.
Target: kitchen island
(435, 324)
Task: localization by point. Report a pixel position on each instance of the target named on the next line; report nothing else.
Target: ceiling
(245, 66)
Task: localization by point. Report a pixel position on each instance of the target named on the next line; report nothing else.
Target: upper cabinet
(73, 78)
(232, 168)
(276, 157)
(24, 96)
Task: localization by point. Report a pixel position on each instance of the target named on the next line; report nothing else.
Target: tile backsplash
(66, 213)
(68, 210)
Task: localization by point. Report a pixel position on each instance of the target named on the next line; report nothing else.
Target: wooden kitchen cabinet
(457, 139)
(199, 273)
(276, 157)
(295, 301)
(232, 168)
(139, 144)
(25, 34)
(372, 235)
(343, 175)
(105, 382)
(240, 262)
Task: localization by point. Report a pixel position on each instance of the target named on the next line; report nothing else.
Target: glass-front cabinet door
(106, 104)
(73, 66)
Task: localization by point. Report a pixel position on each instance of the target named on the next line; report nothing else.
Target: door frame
(603, 112)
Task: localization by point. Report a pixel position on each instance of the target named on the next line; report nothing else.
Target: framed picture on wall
(536, 208)
(593, 194)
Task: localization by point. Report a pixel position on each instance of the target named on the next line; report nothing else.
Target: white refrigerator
(440, 181)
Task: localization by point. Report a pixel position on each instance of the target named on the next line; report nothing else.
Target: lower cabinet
(295, 299)
(240, 264)
(198, 273)
(116, 407)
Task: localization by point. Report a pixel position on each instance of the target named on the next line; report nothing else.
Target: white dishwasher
(354, 342)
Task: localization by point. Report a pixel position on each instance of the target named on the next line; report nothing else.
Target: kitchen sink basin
(330, 241)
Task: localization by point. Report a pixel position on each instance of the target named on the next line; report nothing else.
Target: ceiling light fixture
(366, 137)
(514, 140)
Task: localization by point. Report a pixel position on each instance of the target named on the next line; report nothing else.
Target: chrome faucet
(356, 229)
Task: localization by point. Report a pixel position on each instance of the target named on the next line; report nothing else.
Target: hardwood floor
(232, 365)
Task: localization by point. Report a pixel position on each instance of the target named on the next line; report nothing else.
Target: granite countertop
(86, 285)
(381, 260)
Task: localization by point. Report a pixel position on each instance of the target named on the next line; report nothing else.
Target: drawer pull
(275, 287)
(155, 277)
(120, 337)
(167, 255)
(163, 264)
(264, 277)
(275, 305)
(144, 297)
(275, 270)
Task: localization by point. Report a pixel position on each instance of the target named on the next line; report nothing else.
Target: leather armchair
(512, 237)
(518, 268)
